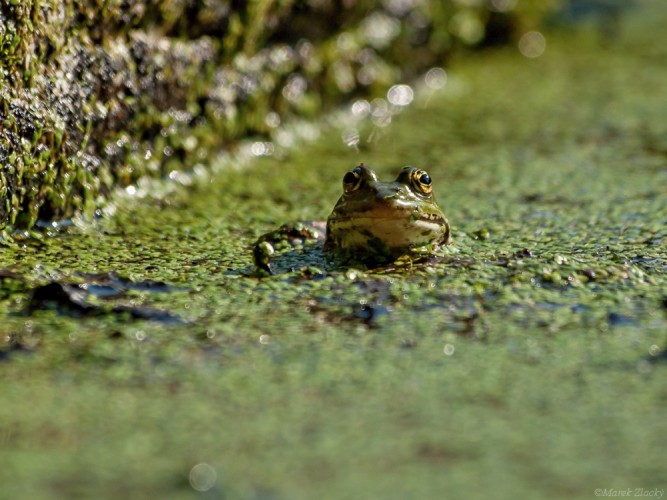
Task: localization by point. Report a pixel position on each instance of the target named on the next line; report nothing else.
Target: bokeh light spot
(435, 78)
(295, 87)
(380, 113)
(350, 137)
(272, 119)
(532, 44)
(400, 95)
(202, 477)
(502, 5)
(361, 108)
(262, 148)
(343, 76)
(467, 26)
(380, 29)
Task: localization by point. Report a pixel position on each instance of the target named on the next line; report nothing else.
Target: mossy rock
(98, 94)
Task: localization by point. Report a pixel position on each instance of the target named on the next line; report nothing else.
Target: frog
(383, 220)
(373, 222)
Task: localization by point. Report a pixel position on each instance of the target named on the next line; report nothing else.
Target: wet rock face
(95, 96)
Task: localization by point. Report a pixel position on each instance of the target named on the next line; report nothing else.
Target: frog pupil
(425, 179)
(350, 178)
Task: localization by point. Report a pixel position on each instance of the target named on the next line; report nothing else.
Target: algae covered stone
(98, 94)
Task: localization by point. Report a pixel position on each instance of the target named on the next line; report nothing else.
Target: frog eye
(422, 181)
(352, 180)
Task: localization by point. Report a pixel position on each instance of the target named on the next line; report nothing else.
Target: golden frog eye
(352, 180)
(422, 181)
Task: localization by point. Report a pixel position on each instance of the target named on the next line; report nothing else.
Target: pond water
(141, 355)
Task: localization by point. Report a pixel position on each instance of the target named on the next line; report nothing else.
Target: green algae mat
(142, 357)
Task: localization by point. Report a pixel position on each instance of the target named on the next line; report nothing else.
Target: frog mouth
(390, 223)
(438, 219)
(389, 214)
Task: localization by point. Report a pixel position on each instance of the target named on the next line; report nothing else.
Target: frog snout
(387, 195)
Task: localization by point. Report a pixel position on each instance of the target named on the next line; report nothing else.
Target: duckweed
(530, 363)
